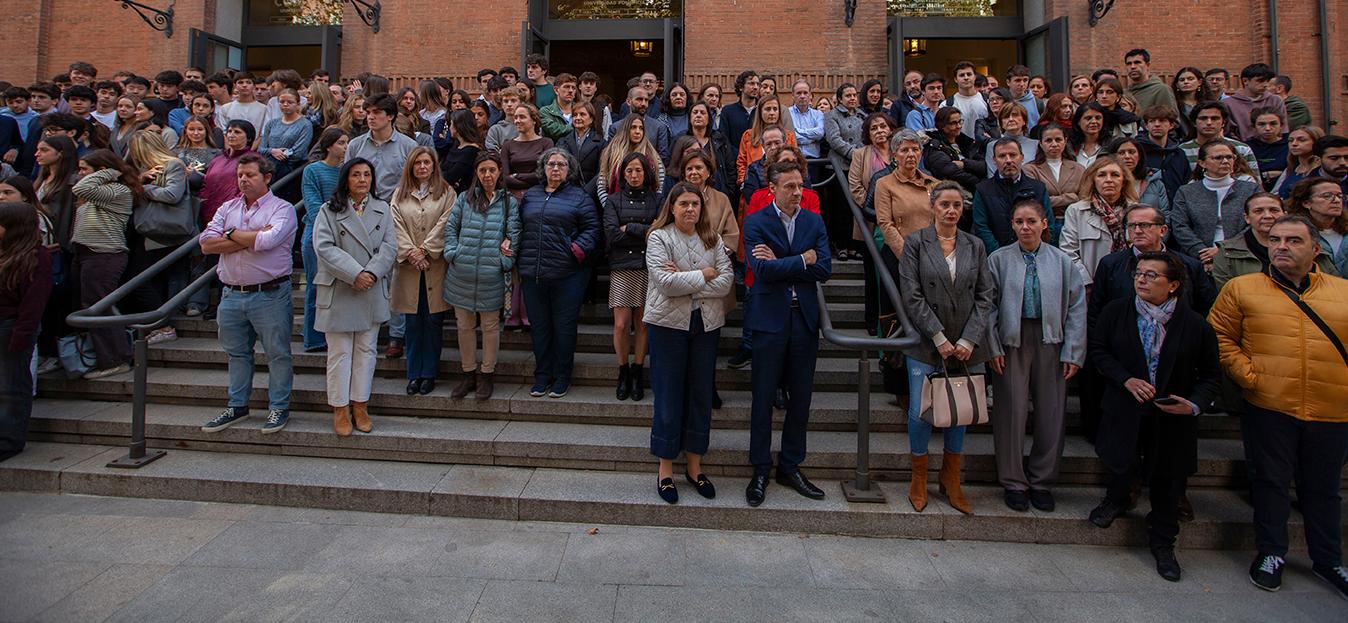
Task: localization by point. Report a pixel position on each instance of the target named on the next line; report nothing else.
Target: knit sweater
(317, 184)
(100, 221)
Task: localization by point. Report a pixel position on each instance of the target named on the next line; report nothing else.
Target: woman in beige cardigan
(421, 206)
(1060, 173)
(872, 156)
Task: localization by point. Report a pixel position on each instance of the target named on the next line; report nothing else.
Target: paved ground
(88, 559)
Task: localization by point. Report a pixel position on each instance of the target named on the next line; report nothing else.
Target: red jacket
(762, 199)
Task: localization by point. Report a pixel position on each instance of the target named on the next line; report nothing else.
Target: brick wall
(1216, 33)
(782, 37)
(443, 38)
(21, 46)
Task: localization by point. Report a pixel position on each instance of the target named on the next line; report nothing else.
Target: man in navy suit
(788, 252)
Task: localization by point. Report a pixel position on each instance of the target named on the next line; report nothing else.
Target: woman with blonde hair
(421, 204)
(164, 179)
(1094, 226)
(352, 118)
(629, 136)
(1301, 158)
(322, 110)
(769, 112)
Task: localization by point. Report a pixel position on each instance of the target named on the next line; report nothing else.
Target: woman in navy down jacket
(560, 231)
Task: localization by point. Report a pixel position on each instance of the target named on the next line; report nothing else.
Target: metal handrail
(93, 317)
(860, 488)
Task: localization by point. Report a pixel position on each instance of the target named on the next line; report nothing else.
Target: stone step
(584, 496)
(832, 454)
(516, 366)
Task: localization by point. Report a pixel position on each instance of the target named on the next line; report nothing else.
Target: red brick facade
(789, 38)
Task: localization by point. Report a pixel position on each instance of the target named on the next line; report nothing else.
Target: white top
(1221, 187)
(971, 109)
(950, 263)
(252, 112)
(108, 119)
(1056, 166)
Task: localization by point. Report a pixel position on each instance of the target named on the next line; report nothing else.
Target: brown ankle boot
(361, 412)
(341, 420)
(467, 383)
(485, 385)
(950, 483)
(917, 486)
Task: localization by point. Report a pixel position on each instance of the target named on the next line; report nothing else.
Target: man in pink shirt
(253, 235)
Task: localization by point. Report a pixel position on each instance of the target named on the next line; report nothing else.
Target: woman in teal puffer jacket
(481, 236)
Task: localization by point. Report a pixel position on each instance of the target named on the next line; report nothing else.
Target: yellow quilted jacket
(1276, 354)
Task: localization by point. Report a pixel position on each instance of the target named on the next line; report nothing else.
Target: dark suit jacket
(934, 305)
(1188, 368)
(587, 152)
(1114, 280)
(769, 306)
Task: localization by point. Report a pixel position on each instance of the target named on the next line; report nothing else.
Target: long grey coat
(959, 310)
(347, 245)
(1193, 215)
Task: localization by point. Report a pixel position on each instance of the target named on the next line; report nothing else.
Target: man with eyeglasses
(1280, 334)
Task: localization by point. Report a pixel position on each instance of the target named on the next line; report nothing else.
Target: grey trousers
(1032, 371)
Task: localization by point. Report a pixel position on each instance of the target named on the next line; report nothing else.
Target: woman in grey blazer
(356, 245)
(1210, 208)
(949, 297)
(1038, 342)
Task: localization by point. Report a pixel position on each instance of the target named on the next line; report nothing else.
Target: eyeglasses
(1330, 196)
(1146, 275)
(555, 165)
(1144, 226)
(1222, 157)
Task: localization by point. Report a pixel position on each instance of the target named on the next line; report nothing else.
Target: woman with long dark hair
(1147, 184)
(317, 184)
(461, 150)
(356, 244)
(768, 113)
(872, 97)
(1187, 85)
(481, 235)
(1054, 166)
(25, 284)
(628, 215)
(690, 278)
(1090, 131)
(1109, 94)
(197, 146)
(519, 155)
(107, 192)
(714, 144)
(674, 106)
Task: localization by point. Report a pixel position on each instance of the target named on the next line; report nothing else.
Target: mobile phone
(1166, 401)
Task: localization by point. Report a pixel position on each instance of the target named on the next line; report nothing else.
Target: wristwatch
(229, 232)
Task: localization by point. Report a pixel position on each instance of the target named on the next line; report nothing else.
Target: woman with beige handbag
(949, 297)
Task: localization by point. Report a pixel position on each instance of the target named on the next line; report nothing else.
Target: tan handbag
(954, 400)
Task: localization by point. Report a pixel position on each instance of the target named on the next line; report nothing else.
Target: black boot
(623, 389)
(635, 383)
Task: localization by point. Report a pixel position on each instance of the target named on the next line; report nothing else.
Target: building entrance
(615, 61)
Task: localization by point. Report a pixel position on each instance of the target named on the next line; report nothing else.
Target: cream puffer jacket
(670, 296)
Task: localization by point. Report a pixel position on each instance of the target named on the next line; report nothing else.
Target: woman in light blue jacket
(481, 236)
(1038, 342)
(356, 244)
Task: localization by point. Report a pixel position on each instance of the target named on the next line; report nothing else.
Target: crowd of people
(1164, 248)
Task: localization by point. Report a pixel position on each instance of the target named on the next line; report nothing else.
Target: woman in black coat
(461, 149)
(628, 214)
(586, 142)
(952, 155)
(1160, 366)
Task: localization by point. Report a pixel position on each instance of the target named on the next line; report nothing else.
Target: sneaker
(226, 419)
(540, 389)
(166, 334)
(1336, 576)
(1266, 572)
(1104, 515)
(106, 372)
(740, 360)
(559, 390)
(276, 420)
(193, 311)
(48, 364)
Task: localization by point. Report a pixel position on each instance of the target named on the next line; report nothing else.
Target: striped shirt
(105, 209)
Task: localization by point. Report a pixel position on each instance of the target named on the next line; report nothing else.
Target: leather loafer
(413, 386)
(1016, 500)
(703, 485)
(427, 386)
(667, 491)
(1104, 515)
(797, 481)
(1042, 499)
(1166, 564)
(756, 491)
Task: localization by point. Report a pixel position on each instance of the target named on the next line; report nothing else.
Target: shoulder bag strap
(1319, 322)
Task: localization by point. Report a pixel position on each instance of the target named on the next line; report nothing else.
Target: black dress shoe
(427, 386)
(797, 481)
(715, 398)
(1042, 499)
(756, 491)
(1104, 515)
(413, 386)
(1016, 500)
(703, 484)
(667, 491)
(779, 401)
(1166, 564)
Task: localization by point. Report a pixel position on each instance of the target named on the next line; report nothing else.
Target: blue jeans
(919, 431)
(425, 333)
(682, 365)
(554, 310)
(313, 338)
(397, 326)
(243, 318)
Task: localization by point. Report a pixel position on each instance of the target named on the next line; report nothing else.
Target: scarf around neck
(1151, 321)
(1113, 219)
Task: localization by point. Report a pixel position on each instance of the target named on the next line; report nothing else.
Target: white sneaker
(166, 334)
(105, 372)
(48, 364)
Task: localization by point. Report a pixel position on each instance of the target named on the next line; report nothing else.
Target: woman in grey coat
(356, 245)
(481, 235)
(949, 297)
(1038, 342)
(1210, 208)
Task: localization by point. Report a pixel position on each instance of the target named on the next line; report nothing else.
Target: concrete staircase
(581, 458)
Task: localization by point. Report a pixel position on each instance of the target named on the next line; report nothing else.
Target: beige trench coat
(420, 224)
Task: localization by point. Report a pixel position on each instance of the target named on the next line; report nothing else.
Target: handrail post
(136, 454)
(860, 490)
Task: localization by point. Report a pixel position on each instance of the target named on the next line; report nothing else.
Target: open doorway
(991, 57)
(614, 61)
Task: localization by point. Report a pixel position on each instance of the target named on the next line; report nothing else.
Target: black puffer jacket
(940, 158)
(560, 231)
(636, 209)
